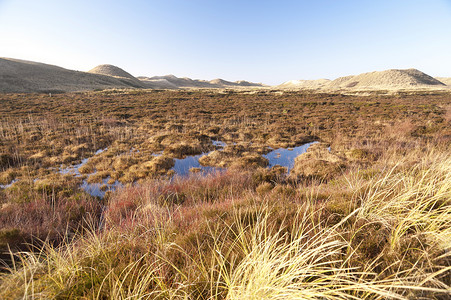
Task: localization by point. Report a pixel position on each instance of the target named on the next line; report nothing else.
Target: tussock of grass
(375, 224)
(310, 263)
(255, 250)
(415, 201)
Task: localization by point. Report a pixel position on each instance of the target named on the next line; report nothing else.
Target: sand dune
(409, 78)
(173, 82)
(393, 79)
(445, 80)
(304, 84)
(160, 83)
(248, 83)
(111, 70)
(26, 76)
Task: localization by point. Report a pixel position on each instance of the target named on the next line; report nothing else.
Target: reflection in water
(282, 156)
(218, 143)
(93, 189)
(99, 189)
(285, 156)
(74, 168)
(182, 166)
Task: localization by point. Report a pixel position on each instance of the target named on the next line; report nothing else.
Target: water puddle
(73, 169)
(219, 143)
(182, 167)
(285, 156)
(5, 186)
(93, 189)
(99, 189)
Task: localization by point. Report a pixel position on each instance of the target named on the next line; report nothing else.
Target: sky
(260, 41)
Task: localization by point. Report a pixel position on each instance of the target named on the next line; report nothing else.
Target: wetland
(169, 179)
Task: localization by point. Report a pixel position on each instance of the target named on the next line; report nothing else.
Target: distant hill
(248, 83)
(305, 84)
(409, 78)
(21, 76)
(173, 82)
(111, 70)
(17, 76)
(393, 79)
(157, 83)
(445, 80)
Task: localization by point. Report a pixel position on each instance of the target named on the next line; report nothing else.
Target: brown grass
(380, 196)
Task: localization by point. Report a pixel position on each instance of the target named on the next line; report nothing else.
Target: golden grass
(256, 253)
(375, 224)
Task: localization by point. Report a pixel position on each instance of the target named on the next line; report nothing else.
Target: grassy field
(364, 214)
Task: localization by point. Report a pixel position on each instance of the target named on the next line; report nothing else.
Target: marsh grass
(249, 247)
(378, 229)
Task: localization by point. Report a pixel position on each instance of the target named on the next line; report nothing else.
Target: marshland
(280, 195)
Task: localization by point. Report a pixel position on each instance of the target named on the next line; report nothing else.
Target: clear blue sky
(262, 41)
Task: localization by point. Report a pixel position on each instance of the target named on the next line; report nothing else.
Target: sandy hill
(222, 82)
(111, 70)
(305, 84)
(157, 83)
(174, 82)
(248, 83)
(18, 76)
(405, 79)
(445, 80)
(171, 81)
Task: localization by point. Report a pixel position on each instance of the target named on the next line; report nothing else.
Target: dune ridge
(393, 79)
(388, 78)
(21, 76)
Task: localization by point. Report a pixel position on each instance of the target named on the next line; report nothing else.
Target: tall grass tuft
(413, 201)
(230, 247)
(308, 261)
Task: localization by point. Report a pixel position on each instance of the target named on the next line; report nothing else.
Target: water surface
(285, 156)
(5, 186)
(182, 166)
(282, 156)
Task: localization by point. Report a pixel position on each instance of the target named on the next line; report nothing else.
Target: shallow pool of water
(73, 169)
(282, 156)
(5, 186)
(285, 156)
(219, 143)
(182, 166)
(96, 190)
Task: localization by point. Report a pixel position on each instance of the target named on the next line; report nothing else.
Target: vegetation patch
(363, 214)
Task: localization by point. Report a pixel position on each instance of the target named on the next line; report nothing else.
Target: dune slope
(26, 76)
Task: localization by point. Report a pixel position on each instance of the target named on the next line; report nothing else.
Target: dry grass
(245, 246)
(377, 228)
